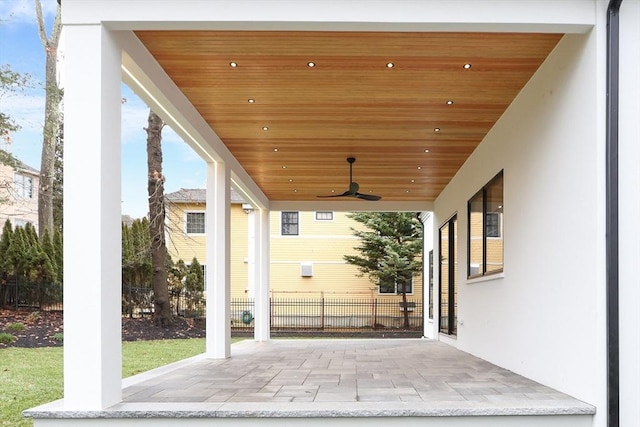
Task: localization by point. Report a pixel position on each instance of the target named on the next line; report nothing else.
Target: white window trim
(333, 216)
(185, 222)
(299, 227)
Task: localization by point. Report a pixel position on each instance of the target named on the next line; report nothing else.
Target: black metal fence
(137, 301)
(331, 314)
(15, 293)
(286, 314)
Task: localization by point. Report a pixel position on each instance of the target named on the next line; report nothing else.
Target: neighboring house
(307, 250)
(19, 194)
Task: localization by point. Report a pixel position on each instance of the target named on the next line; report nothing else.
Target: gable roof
(198, 195)
(10, 160)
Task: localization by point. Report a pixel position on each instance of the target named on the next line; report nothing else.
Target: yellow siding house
(307, 250)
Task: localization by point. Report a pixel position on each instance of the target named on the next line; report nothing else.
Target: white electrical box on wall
(306, 269)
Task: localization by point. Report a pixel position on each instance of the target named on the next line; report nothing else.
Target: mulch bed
(41, 328)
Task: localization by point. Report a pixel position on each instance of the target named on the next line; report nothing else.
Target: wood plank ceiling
(292, 106)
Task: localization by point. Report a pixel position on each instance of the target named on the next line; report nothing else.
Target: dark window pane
(476, 246)
(289, 223)
(195, 223)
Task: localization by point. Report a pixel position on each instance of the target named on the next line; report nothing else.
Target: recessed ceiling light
(426, 150)
(284, 166)
(290, 180)
(311, 64)
(390, 65)
(406, 191)
(436, 129)
(419, 167)
(276, 150)
(413, 180)
(251, 100)
(295, 191)
(333, 191)
(233, 64)
(449, 102)
(466, 66)
(265, 127)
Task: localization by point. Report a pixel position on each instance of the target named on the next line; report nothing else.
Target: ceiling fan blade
(345, 194)
(354, 187)
(370, 197)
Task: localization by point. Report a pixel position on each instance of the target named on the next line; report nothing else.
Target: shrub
(58, 336)
(6, 338)
(15, 327)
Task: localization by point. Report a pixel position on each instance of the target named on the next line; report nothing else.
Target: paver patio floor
(262, 378)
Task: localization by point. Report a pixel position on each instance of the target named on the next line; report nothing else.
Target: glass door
(448, 266)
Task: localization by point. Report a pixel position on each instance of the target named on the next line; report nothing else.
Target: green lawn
(31, 377)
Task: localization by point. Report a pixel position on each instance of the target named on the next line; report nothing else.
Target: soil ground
(41, 327)
(45, 329)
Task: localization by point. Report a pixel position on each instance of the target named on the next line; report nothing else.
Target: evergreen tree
(47, 246)
(390, 249)
(5, 242)
(194, 282)
(58, 255)
(16, 255)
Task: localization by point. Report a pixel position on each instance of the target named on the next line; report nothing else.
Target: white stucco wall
(629, 143)
(545, 317)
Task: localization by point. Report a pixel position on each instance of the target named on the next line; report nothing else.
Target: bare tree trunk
(51, 120)
(155, 187)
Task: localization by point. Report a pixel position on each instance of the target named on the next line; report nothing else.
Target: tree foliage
(390, 249)
(26, 257)
(136, 253)
(11, 82)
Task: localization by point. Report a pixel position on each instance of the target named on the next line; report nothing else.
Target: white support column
(92, 230)
(262, 326)
(252, 253)
(218, 341)
(429, 325)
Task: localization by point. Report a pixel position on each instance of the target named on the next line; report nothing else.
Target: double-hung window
(289, 223)
(23, 185)
(486, 243)
(195, 222)
(392, 287)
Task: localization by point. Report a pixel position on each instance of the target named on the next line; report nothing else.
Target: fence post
(322, 313)
(375, 314)
(130, 302)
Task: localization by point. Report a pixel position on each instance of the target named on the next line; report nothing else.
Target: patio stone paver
(329, 378)
(422, 372)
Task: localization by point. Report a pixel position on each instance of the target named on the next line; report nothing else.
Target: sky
(21, 49)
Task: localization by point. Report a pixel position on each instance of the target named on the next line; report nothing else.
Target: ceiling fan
(354, 187)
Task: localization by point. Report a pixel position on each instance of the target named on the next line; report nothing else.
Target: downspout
(612, 233)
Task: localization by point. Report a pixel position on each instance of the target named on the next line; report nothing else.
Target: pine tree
(47, 246)
(59, 255)
(5, 242)
(194, 282)
(16, 253)
(390, 250)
